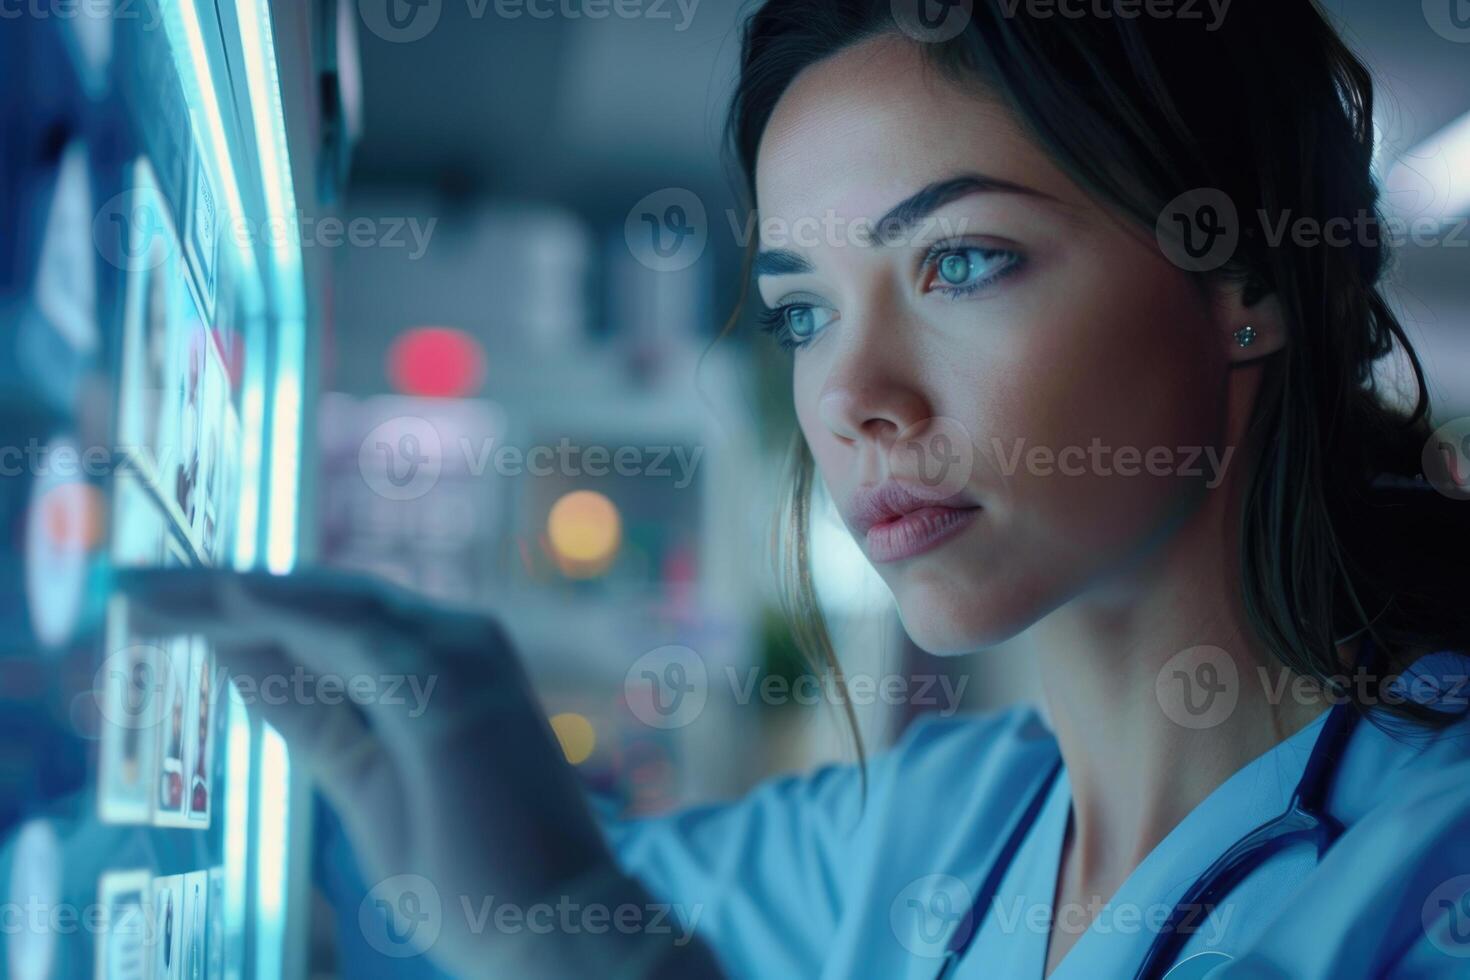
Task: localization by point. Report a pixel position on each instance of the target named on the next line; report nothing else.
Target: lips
(895, 523)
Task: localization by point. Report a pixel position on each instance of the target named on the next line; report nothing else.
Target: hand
(462, 784)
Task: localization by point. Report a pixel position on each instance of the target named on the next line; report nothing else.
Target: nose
(871, 393)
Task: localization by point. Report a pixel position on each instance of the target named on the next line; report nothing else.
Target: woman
(1047, 397)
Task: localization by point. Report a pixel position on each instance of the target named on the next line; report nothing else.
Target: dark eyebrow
(898, 221)
(780, 262)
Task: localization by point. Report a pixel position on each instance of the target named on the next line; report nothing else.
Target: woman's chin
(943, 630)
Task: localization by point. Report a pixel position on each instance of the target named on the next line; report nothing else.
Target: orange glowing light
(584, 530)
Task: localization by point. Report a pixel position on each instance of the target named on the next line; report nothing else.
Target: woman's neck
(1158, 694)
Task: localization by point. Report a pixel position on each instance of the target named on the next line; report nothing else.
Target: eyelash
(774, 320)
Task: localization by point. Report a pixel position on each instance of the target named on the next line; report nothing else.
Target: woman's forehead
(859, 131)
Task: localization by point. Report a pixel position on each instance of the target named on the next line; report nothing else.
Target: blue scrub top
(799, 879)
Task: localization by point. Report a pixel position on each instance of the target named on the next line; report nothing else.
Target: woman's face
(1015, 351)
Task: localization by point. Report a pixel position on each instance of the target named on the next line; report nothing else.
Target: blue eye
(955, 268)
(795, 324)
(959, 271)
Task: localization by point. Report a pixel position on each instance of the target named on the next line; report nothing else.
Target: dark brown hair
(1340, 535)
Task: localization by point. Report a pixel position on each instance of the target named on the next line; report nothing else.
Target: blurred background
(538, 148)
(444, 291)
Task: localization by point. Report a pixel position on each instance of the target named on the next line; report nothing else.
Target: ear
(1249, 319)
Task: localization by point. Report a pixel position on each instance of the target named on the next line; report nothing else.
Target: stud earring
(1245, 336)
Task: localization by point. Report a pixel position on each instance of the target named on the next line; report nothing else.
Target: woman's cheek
(1071, 405)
